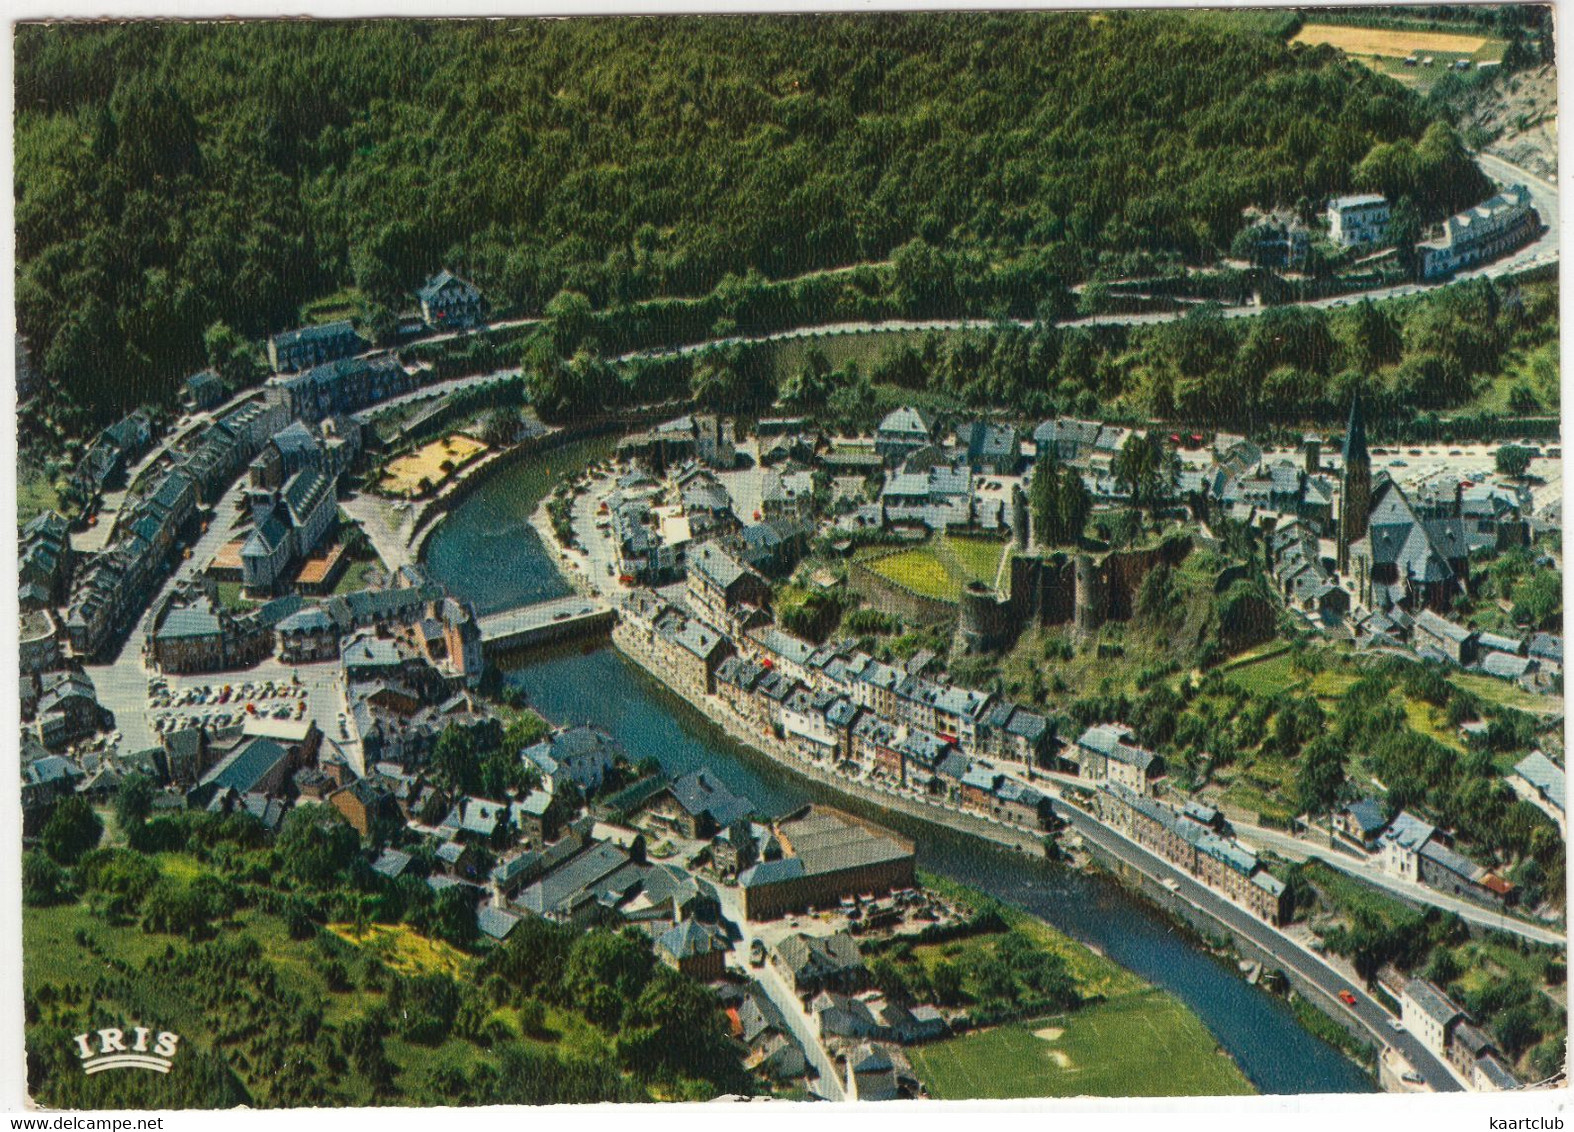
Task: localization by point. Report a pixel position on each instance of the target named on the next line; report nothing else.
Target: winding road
(1288, 954)
(1541, 252)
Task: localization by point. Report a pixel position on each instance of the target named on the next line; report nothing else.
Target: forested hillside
(169, 176)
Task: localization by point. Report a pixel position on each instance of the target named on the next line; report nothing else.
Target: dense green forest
(169, 176)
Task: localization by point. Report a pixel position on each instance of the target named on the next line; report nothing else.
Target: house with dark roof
(698, 806)
(1360, 824)
(581, 756)
(1401, 843)
(308, 346)
(203, 390)
(1430, 1015)
(364, 803)
(68, 709)
(992, 449)
(1443, 869)
(1459, 643)
(1542, 778)
(697, 950)
(718, 585)
(449, 302)
(902, 431)
(811, 964)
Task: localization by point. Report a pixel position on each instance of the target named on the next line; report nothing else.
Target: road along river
(487, 551)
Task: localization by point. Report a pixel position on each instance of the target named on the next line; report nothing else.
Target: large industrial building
(826, 855)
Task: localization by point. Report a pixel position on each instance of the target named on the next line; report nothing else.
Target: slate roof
(325, 332)
(391, 863)
(187, 622)
(906, 421)
(1432, 1002)
(1408, 831)
(1505, 666)
(690, 939)
(1368, 816)
(698, 793)
(495, 922)
(1545, 775)
(243, 769)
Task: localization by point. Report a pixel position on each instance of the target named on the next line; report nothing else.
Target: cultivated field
(1396, 44)
(1144, 1044)
(428, 467)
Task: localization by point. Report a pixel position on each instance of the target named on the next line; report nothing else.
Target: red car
(1347, 998)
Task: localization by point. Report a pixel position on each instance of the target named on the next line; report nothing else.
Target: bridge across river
(544, 623)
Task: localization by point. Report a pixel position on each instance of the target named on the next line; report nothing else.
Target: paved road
(428, 392)
(1543, 251)
(777, 990)
(1296, 849)
(1287, 954)
(122, 682)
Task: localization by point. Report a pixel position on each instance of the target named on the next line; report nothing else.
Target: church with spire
(1394, 555)
(1355, 495)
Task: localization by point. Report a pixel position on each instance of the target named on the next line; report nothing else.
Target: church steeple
(1355, 496)
(1355, 435)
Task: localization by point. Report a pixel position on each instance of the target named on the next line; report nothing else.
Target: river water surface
(487, 552)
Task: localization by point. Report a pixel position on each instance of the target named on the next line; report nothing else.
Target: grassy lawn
(1501, 692)
(231, 597)
(358, 576)
(1144, 1044)
(973, 559)
(1346, 894)
(1267, 677)
(918, 570)
(942, 566)
(35, 494)
(347, 302)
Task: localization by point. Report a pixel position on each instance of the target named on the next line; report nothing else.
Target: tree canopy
(174, 175)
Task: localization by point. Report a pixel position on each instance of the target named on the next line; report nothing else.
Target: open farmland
(1396, 44)
(1385, 50)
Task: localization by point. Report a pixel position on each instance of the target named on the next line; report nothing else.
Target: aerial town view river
(487, 552)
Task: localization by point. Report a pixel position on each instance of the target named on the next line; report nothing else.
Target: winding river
(486, 551)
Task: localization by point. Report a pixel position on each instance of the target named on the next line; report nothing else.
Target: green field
(35, 493)
(1139, 1045)
(942, 566)
(1132, 1040)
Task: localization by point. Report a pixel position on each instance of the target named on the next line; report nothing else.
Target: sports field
(404, 476)
(942, 566)
(1137, 1045)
